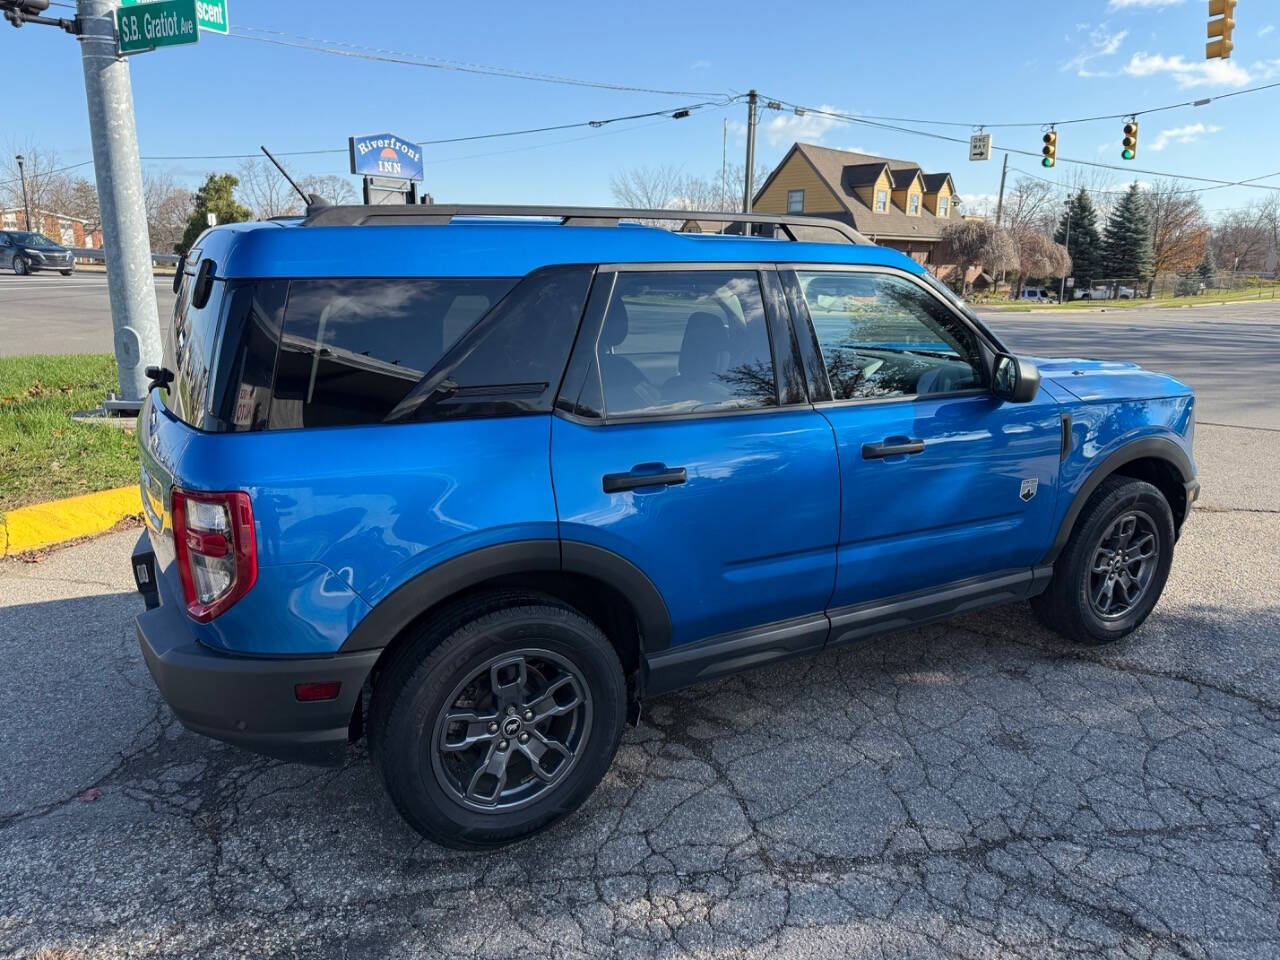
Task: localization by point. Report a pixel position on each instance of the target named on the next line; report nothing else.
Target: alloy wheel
(511, 731)
(20, 266)
(1124, 563)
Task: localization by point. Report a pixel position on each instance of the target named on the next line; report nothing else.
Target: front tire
(1114, 567)
(498, 720)
(21, 266)
(66, 273)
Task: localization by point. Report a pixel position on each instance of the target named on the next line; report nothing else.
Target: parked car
(1107, 291)
(26, 252)
(479, 488)
(1038, 295)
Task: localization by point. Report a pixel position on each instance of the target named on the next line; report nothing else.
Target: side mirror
(1014, 379)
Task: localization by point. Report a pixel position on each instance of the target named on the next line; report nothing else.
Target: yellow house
(893, 202)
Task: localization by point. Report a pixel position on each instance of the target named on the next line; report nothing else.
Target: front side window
(689, 341)
(913, 204)
(882, 200)
(882, 336)
(795, 201)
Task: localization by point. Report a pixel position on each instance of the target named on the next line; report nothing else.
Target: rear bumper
(250, 701)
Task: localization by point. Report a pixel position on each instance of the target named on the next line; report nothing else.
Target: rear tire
(498, 720)
(1114, 567)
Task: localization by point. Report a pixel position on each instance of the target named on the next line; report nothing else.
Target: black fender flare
(423, 591)
(1158, 448)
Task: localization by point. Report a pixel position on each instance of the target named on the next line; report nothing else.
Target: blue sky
(987, 62)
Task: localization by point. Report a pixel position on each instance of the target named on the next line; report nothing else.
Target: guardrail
(97, 256)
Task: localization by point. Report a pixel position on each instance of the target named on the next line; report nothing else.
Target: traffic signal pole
(126, 243)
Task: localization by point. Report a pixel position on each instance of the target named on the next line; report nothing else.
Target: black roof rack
(752, 224)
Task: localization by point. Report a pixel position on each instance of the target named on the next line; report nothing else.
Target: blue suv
(478, 481)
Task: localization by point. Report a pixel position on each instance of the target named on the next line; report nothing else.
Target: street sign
(385, 155)
(1071, 281)
(166, 23)
(980, 146)
(211, 15)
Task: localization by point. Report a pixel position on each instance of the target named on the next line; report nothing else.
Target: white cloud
(1101, 43)
(1121, 4)
(1269, 28)
(1188, 134)
(700, 65)
(1198, 73)
(784, 128)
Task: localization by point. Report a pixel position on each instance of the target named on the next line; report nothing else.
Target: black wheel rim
(511, 732)
(1124, 563)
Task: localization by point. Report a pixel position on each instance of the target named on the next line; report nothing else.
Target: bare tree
(671, 188)
(168, 209)
(1039, 258)
(969, 243)
(1178, 227)
(1030, 205)
(48, 185)
(1248, 238)
(264, 191)
(335, 189)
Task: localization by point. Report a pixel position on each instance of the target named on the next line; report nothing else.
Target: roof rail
(738, 224)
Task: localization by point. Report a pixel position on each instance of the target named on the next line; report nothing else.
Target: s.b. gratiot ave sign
(385, 155)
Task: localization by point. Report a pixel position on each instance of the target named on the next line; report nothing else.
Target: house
(893, 202)
(59, 227)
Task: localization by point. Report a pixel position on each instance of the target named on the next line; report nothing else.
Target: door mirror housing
(1014, 379)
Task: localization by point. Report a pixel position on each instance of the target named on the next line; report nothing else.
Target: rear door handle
(895, 448)
(663, 477)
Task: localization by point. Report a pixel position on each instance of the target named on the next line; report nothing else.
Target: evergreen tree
(1208, 269)
(1126, 242)
(1081, 240)
(217, 196)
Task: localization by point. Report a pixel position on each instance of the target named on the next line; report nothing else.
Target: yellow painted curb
(44, 524)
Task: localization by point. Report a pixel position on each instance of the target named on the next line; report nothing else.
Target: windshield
(24, 239)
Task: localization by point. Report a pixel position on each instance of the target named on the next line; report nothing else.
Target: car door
(944, 487)
(684, 444)
(6, 251)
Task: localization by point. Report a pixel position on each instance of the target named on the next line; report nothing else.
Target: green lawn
(1213, 296)
(43, 454)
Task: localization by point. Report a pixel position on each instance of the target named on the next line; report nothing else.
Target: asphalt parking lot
(49, 313)
(970, 789)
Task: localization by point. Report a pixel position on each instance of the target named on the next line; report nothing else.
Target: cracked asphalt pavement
(976, 788)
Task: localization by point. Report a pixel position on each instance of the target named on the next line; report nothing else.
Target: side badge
(1028, 489)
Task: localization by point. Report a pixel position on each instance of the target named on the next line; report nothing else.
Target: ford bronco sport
(477, 482)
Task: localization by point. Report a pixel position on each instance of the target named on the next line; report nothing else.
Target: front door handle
(892, 448)
(662, 476)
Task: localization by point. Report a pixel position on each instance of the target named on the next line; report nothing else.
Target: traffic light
(16, 11)
(1130, 141)
(1221, 28)
(1050, 150)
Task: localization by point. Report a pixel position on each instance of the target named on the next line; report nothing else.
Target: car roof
(496, 248)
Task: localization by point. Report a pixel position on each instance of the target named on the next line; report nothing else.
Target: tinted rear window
(189, 352)
(353, 348)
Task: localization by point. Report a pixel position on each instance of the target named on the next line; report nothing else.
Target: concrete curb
(39, 525)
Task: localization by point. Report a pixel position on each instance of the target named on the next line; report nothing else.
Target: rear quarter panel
(345, 515)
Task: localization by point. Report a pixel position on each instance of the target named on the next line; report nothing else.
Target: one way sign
(980, 146)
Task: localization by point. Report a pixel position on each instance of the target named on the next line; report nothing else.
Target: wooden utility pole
(1004, 172)
(748, 184)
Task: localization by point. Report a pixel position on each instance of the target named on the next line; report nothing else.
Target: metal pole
(126, 243)
(1066, 242)
(1004, 172)
(748, 187)
(26, 204)
(724, 166)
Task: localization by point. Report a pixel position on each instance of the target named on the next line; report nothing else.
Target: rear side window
(352, 349)
(688, 341)
(190, 351)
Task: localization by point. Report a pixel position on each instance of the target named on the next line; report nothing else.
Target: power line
(1202, 101)
(853, 119)
(342, 48)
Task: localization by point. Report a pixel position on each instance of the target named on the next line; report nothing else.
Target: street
(973, 788)
(48, 313)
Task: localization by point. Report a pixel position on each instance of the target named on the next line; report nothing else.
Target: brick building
(58, 227)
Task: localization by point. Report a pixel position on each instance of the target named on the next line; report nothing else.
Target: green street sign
(211, 15)
(166, 23)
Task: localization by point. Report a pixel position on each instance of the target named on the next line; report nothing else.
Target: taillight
(215, 549)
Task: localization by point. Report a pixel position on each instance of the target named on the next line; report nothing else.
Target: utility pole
(1004, 172)
(748, 187)
(26, 204)
(1066, 242)
(724, 166)
(126, 244)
